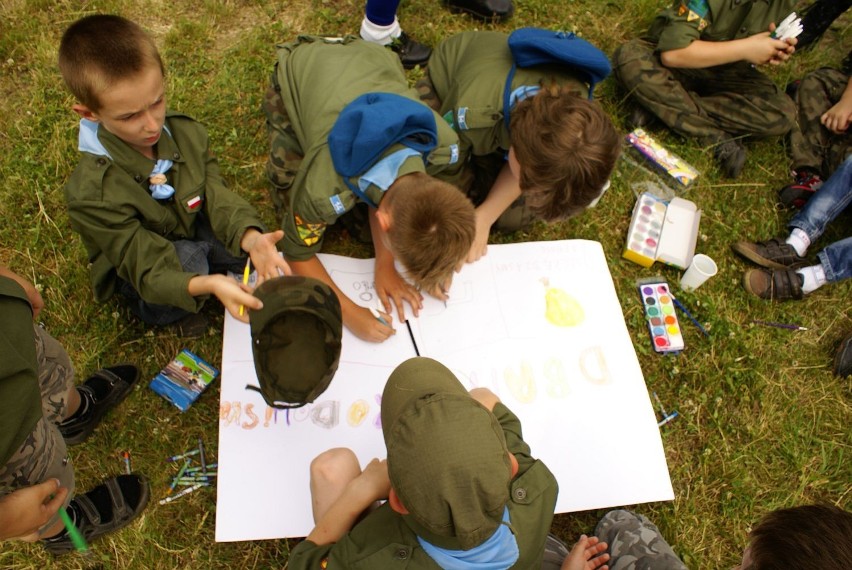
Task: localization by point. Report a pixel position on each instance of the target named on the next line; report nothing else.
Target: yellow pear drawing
(561, 309)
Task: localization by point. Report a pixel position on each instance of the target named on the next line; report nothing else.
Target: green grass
(764, 424)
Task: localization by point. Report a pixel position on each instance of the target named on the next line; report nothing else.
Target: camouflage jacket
(714, 21)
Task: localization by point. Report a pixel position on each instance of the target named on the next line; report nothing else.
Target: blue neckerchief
(88, 141)
(499, 552)
(161, 191)
(384, 172)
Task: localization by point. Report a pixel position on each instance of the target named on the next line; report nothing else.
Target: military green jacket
(317, 79)
(468, 72)
(383, 540)
(714, 21)
(129, 234)
(18, 369)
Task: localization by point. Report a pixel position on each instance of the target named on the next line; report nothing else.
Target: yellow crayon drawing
(561, 309)
(522, 386)
(557, 385)
(357, 413)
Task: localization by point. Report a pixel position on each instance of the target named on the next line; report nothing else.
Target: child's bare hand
(480, 240)
(374, 480)
(265, 257)
(442, 290)
(367, 327)
(234, 295)
(24, 511)
(589, 553)
(763, 49)
(390, 286)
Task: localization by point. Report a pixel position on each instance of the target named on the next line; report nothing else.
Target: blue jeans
(823, 207)
(203, 255)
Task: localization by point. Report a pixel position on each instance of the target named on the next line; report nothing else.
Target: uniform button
(743, 30)
(401, 554)
(138, 178)
(101, 161)
(520, 494)
(737, 2)
(176, 156)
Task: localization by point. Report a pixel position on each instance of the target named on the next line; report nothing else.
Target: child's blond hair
(432, 228)
(98, 51)
(567, 147)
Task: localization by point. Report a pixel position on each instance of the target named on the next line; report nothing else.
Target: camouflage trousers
(479, 173)
(811, 144)
(711, 104)
(43, 455)
(635, 543)
(285, 153)
(285, 159)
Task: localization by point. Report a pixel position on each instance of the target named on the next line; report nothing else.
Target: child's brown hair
(817, 537)
(98, 51)
(432, 228)
(567, 147)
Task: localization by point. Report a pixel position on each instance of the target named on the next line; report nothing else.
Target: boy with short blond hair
(147, 197)
(550, 160)
(373, 146)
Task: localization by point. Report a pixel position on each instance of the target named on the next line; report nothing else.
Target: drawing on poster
(537, 323)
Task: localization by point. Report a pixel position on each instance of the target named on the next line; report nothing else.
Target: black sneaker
(731, 156)
(795, 195)
(640, 118)
(494, 10)
(843, 358)
(194, 325)
(411, 53)
(102, 391)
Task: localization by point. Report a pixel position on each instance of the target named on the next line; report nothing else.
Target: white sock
(382, 35)
(814, 278)
(800, 241)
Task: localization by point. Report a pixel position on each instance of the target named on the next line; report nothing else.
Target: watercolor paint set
(659, 308)
(660, 230)
(675, 167)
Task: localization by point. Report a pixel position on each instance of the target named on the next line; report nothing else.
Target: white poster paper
(537, 323)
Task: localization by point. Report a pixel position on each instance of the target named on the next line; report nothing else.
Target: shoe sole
(844, 353)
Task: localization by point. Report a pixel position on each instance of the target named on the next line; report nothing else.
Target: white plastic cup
(700, 270)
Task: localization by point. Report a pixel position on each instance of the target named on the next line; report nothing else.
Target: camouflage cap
(447, 457)
(295, 339)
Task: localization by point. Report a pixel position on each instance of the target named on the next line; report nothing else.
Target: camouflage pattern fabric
(285, 155)
(296, 339)
(711, 104)
(555, 552)
(635, 543)
(811, 144)
(44, 455)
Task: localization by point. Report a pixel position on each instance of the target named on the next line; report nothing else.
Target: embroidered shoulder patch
(448, 118)
(310, 234)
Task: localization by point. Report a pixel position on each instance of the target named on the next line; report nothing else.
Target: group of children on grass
(425, 174)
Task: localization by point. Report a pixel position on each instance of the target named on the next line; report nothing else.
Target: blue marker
(667, 419)
(379, 317)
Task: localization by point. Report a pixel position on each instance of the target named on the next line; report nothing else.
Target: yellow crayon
(246, 272)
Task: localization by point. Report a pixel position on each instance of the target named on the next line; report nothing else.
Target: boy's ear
(395, 503)
(384, 218)
(84, 112)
